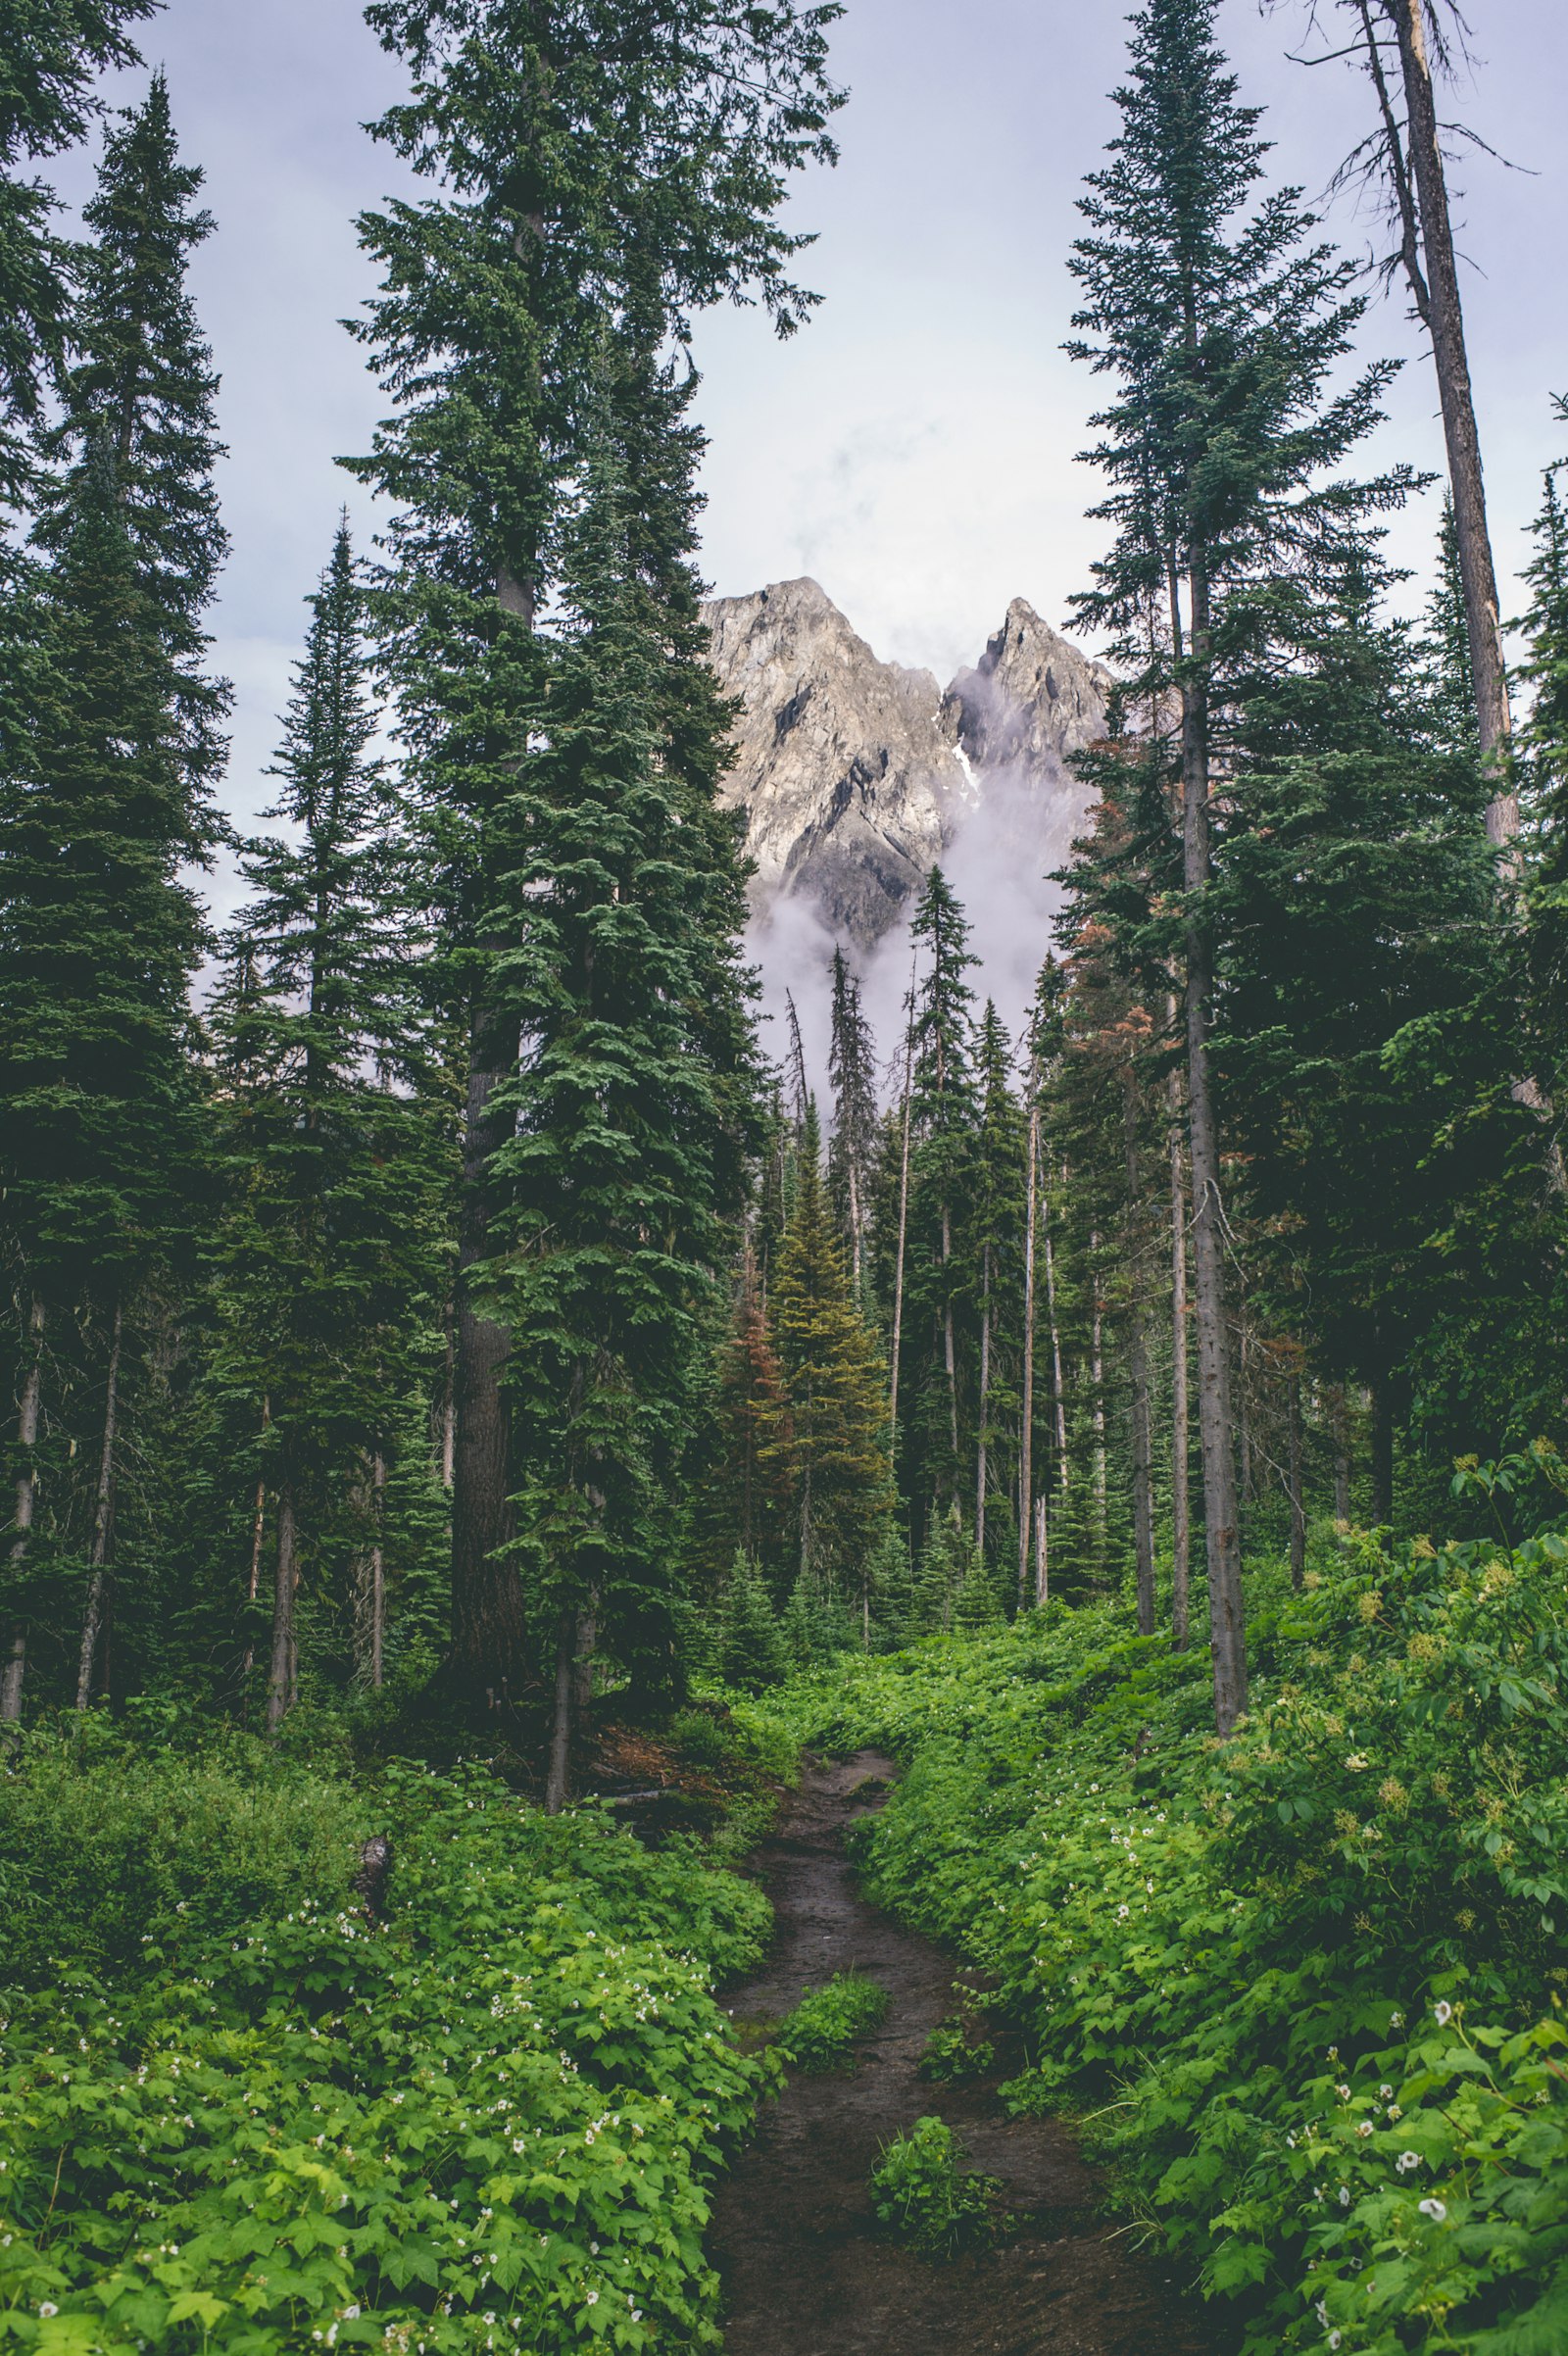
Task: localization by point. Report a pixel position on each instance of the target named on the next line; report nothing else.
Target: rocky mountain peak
(858, 776)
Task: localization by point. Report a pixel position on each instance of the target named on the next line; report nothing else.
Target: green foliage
(952, 2054)
(750, 1647)
(114, 1855)
(926, 2197)
(1275, 1967)
(497, 2112)
(825, 2027)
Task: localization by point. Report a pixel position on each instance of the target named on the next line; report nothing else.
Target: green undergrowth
(260, 2124)
(821, 2031)
(1309, 1983)
(927, 2198)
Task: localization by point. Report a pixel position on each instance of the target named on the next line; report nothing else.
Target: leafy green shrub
(926, 2197)
(110, 1852)
(952, 2054)
(700, 1738)
(750, 1649)
(490, 2122)
(1309, 1979)
(822, 2028)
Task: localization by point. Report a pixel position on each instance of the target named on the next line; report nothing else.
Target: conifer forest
(664, 1692)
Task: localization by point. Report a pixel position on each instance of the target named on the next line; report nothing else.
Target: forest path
(794, 2237)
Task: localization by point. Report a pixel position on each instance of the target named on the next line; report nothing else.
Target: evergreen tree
(53, 51)
(596, 165)
(1545, 748)
(100, 1128)
(328, 1264)
(1445, 649)
(993, 1223)
(745, 1493)
(851, 1069)
(833, 1379)
(943, 1119)
(1220, 324)
(751, 1645)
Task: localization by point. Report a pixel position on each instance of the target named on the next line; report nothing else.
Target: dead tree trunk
(13, 1668)
(903, 1232)
(985, 1402)
(103, 1523)
(1042, 1562)
(1137, 1365)
(1059, 1390)
(283, 1668)
(1298, 1500)
(1216, 1421)
(1097, 1377)
(1438, 301)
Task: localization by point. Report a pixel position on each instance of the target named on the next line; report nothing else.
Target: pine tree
(328, 1264)
(100, 1127)
(745, 1492)
(53, 51)
(1445, 649)
(1220, 324)
(591, 163)
(751, 1643)
(1545, 748)
(993, 1222)
(834, 1383)
(851, 1069)
(943, 1119)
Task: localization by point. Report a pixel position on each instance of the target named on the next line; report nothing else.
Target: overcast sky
(915, 447)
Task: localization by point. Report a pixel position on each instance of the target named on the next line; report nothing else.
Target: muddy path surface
(805, 2272)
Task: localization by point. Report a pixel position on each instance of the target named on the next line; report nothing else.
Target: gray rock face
(856, 775)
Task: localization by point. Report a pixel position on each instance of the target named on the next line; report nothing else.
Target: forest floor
(806, 2271)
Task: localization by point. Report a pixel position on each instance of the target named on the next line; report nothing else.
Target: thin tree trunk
(1298, 1500)
(489, 1635)
(1382, 1455)
(14, 1669)
(1042, 1563)
(1058, 1391)
(1215, 1419)
(281, 1675)
(1339, 1413)
(103, 1523)
(1181, 1517)
(253, 1585)
(949, 1354)
(449, 1403)
(379, 1572)
(557, 1774)
(1097, 1377)
(985, 1401)
(904, 1231)
(1138, 1367)
(1026, 1429)
(1444, 319)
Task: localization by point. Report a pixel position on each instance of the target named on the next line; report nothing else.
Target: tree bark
(103, 1523)
(1097, 1376)
(1339, 1413)
(1382, 1455)
(281, 1673)
(985, 1401)
(1138, 1367)
(557, 1774)
(1298, 1500)
(1058, 1391)
(1181, 1515)
(1042, 1562)
(1445, 320)
(1215, 1419)
(1027, 1427)
(904, 1231)
(489, 1633)
(13, 1668)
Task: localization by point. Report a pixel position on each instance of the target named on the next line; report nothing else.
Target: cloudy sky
(915, 448)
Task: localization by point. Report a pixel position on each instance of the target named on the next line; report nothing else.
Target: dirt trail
(794, 2237)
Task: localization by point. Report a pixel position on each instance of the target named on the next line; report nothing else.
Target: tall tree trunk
(1137, 1365)
(282, 1671)
(1097, 1377)
(1382, 1455)
(1298, 1499)
(103, 1523)
(1026, 1424)
(985, 1402)
(14, 1667)
(1042, 1563)
(371, 1598)
(1059, 1390)
(1338, 1414)
(1181, 1515)
(904, 1233)
(558, 1773)
(1215, 1420)
(949, 1352)
(253, 1585)
(1438, 300)
(489, 1633)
